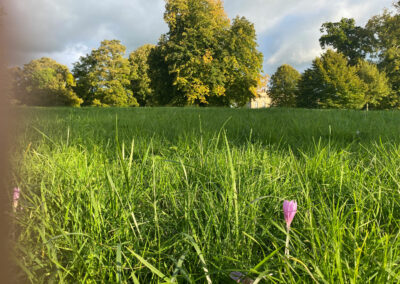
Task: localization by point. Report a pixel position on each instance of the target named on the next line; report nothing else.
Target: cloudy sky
(288, 30)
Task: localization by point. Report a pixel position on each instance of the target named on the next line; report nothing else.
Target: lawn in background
(151, 195)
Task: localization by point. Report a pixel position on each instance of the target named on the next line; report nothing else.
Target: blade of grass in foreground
(151, 267)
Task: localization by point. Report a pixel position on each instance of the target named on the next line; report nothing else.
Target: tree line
(359, 70)
(204, 59)
(207, 59)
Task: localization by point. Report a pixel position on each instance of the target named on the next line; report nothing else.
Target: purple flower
(16, 198)
(16, 194)
(289, 210)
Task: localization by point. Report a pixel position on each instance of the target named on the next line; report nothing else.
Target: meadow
(189, 195)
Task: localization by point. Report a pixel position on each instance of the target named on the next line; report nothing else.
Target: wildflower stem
(15, 205)
(287, 242)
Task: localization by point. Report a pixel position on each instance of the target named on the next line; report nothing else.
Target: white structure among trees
(262, 101)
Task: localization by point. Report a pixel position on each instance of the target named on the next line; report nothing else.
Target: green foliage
(376, 85)
(283, 86)
(243, 63)
(44, 82)
(81, 72)
(353, 41)
(140, 79)
(192, 46)
(103, 76)
(161, 79)
(202, 59)
(390, 64)
(331, 83)
(379, 40)
(386, 28)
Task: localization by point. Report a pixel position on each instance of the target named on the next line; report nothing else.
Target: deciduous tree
(192, 45)
(283, 86)
(386, 28)
(103, 76)
(243, 62)
(44, 82)
(353, 41)
(331, 83)
(376, 86)
(161, 80)
(201, 60)
(140, 80)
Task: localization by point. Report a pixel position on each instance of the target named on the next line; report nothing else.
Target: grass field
(189, 195)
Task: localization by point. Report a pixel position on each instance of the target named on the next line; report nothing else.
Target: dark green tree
(283, 86)
(103, 76)
(331, 83)
(345, 37)
(81, 71)
(140, 80)
(44, 82)
(161, 80)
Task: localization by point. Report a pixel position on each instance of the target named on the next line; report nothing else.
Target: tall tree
(140, 79)
(386, 28)
(376, 86)
(283, 86)
(161, 80)
(243, 62)
(192, 46)
(103, 76)
(44, 82)
(353, 41)
(192, 63)
(331, 83)
(390, 64)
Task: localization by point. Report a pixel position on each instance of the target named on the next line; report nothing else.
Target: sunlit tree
(103, 76)
(331, 83)
(44, 82)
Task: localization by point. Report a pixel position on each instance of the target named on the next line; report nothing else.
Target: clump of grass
(191, 195)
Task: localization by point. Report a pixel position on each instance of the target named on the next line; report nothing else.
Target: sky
(287, 30)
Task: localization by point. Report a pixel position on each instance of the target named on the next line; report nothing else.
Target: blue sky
(287, 30)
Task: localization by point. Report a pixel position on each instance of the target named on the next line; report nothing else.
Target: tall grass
(190, 195)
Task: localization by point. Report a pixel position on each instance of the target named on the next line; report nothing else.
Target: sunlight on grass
(192, 195)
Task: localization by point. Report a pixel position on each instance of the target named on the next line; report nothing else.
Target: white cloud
(55, 27)
(288, 30)
(70, 54)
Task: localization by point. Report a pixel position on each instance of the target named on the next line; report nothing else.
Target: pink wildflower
(16, 197)
(289, 210)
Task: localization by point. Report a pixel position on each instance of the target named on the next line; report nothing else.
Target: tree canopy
(283, 86)
(376, 85)
(331, 83)
(203, 59)
(345, 37)
(242, 63)
(103, 76)
(386, 28)
(44, 82)
(140, 80)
